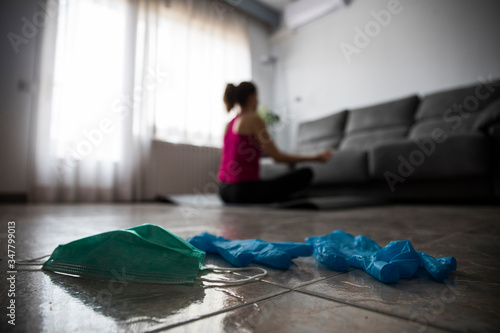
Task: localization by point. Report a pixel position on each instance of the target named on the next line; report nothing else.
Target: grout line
(368, 309)
(304, 284)
(169, 326)
(323, 279)
(478, 282)
(454, 234)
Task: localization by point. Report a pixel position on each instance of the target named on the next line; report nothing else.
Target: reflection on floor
(308, 297)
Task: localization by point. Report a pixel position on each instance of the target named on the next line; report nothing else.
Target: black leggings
(267, 191)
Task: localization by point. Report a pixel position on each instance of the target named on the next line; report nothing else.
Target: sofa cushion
(366, 139)
(456, 156)
(316, 147)
(399, 112)
(453, 124)
(472, 98)
(345, 167)
(318, 135)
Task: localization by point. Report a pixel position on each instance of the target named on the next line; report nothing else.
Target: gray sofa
(445, 145)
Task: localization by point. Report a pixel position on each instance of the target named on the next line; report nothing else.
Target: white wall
(429, 45)
(260, 47)
(15, 107)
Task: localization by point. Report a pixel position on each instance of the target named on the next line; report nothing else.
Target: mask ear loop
(232, 270)
(32, 262)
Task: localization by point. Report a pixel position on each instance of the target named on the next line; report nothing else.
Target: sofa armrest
(489, 117)
(494, 134)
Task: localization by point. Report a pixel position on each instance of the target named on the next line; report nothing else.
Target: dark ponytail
(230, 96)
(238, 94)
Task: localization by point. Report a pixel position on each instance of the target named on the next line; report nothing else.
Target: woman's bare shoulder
(247, 124)
(254, 119)
(254, 122)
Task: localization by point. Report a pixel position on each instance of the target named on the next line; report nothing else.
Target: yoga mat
(311, 203)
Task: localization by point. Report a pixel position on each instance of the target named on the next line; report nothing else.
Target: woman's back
(241, 152)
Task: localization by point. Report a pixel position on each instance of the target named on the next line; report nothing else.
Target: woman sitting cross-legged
(245, 138)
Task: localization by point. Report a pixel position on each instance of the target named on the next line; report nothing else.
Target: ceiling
(275, 4)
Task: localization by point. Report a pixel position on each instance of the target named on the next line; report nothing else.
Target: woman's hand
(324, 156)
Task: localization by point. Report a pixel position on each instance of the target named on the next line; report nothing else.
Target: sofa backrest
(453, 111)
(324, 133)
(370, 126)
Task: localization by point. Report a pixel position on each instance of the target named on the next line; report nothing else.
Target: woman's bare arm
(259, 130)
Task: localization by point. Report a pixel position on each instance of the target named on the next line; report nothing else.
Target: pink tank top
(240, 157)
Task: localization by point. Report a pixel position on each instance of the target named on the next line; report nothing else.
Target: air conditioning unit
(302, 12)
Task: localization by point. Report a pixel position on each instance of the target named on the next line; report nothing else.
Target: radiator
(182, 169)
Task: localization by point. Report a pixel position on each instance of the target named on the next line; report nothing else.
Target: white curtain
(113, 71)
(204, 45)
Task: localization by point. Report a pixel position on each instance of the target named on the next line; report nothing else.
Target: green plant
(269, 117)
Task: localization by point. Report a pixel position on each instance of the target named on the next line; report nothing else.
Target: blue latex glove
(438, 268)
(240, 253)
(339, 250)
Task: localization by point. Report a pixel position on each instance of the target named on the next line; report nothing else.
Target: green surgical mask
(146, 254)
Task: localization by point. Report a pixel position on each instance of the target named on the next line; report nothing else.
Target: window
(191, 51)
(88, 79)
(202, 53)
(114, 75)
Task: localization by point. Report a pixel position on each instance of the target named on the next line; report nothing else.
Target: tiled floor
(306, 298)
